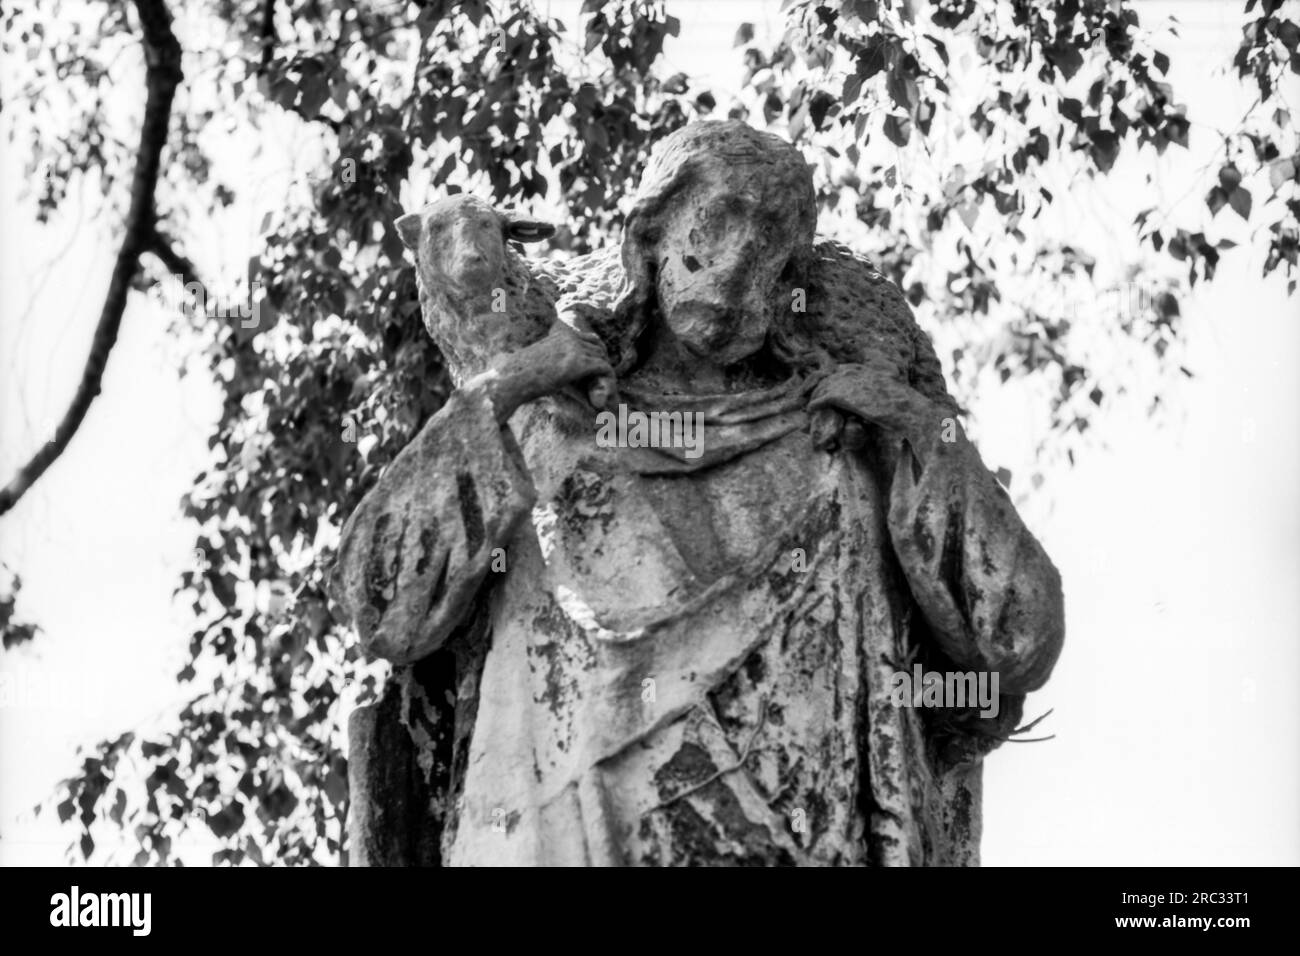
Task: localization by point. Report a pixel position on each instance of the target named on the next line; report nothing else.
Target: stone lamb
(481, 300)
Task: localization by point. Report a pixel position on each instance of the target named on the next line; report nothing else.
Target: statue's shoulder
(841, 271)
(856, 310)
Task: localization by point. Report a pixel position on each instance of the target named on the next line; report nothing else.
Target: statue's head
(459, 241)
(723, 220)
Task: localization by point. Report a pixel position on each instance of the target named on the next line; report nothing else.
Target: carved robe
(683, 661)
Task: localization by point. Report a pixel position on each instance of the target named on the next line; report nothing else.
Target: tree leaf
(874, 57)
(1281, 172)
(1065, 56)
(898, 130)
(969, 213)
(1216, 199)
(119, 807)
(852, 89)
(1105, 149)
(1240, 202)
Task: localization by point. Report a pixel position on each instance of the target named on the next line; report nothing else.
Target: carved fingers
(832, 430)
(590, 359)
(568, 355)
(871, 393)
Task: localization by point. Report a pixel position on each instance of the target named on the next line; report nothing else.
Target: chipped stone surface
(688, 662)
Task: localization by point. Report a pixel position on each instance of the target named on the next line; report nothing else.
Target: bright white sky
(1177, 717)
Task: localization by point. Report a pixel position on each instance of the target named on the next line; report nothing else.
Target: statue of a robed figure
(632, 652)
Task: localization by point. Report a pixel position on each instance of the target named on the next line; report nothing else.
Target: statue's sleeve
(987, 589)
(415, 552)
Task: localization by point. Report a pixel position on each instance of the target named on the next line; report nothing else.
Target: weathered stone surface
(656, 659)
(390, 797)
(481, 299)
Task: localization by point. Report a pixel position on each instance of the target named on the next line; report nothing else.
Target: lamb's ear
(408, 227)
(521, 228)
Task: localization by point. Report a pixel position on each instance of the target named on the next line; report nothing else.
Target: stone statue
(619, 653)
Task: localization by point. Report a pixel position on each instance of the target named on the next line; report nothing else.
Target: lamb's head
(465, 270)
(459, 243)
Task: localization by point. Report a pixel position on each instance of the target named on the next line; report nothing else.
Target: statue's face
(720, 252)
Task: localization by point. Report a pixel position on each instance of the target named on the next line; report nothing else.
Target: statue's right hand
(568, 355)
(573, 353)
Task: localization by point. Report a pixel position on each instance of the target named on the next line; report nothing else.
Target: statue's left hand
(872, 393)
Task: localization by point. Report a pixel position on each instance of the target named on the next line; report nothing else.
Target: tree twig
(162, 54)
(717, 774)
(162, 248)
(268, 36)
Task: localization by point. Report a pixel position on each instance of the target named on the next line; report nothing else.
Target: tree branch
(174, 262)
(162, 54)
(268, 38)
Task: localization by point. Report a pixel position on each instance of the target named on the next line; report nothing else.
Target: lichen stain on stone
(882, 845)
(922, 535)
(784, 579)
(730, 838)
(583, 497)
(557, 687)
(727, 699)
(1004, 634)
(428, 546)
(551, 621)
(776, 715)
(691, 765)
(918, 471)
(380, 582)
(471, 513)
(962, 811)
(951, 560)
(818, 817)
(885, 746)
(756, 845)
(437, 588)
(561, 653)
